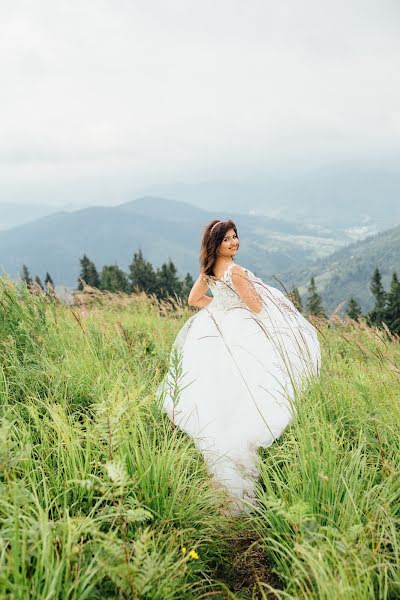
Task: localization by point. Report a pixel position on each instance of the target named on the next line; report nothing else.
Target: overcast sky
(100, 98)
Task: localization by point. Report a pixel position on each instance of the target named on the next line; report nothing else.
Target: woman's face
(229, 244)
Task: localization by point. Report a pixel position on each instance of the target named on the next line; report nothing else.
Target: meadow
(101, 497)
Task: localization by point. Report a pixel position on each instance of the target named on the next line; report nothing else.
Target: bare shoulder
(238, 270)
(240, 276)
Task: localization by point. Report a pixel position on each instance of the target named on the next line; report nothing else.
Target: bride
(237, 366)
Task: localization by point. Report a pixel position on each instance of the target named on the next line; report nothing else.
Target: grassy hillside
(161, 228)
(348, 271)
(102, 498)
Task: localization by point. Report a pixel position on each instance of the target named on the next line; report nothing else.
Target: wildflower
(193, 554)
(183, 549)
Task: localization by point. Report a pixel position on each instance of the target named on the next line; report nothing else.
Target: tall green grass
(100, 497)
(329, 491)
(98, 493)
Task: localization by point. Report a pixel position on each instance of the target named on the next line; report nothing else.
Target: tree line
(385, 310)
(48, 285)
(164, 282)
(141, 277)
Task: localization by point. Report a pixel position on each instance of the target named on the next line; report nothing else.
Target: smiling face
(229, 244)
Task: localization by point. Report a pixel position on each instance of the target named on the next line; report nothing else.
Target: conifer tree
(353, 309)
(314, 301)
(187, 285)
(377, 314)
(295, 297)
(25, 276)
(48, 280)
(38, 282)
(49, 284)
(168, 283)
(113, 279)
(142, 277)
(88, 274)
(392, 308)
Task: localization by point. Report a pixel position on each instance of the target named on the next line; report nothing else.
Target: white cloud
(148, 91)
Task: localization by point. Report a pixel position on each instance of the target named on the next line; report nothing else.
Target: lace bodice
(226, 297)
(224, 293)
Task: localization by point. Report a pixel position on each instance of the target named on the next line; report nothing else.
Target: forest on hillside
(163, 283)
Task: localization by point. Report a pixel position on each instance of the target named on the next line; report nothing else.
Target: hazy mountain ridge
(348, 195)
(12, 214)
(163, 229)
(348, 271)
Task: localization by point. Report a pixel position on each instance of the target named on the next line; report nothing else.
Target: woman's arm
(245, 289)
(197, 296)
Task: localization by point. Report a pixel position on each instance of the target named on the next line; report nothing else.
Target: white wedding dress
(235, 377)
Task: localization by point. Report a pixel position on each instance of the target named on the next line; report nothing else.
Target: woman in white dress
(238, 365)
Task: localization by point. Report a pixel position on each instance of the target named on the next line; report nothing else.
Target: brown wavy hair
(210, 243)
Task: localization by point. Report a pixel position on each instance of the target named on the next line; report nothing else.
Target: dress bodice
(226, 297)
(224, 294)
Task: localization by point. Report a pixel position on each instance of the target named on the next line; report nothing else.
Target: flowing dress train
(235, 377)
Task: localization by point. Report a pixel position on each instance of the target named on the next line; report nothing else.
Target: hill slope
(161, 228)
(356, 196)
(347, 272)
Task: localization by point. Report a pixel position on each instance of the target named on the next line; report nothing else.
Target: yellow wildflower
(193, 554)
(183, 549)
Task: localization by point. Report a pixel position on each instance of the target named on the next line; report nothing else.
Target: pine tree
(38, 282)
(295, 297)
(392, 308)
(141, 275)
(25, 276)
(353, 309)
(314, 301)
(113, 279)
(88, 274)
(377, 314)
(49, 285)
(48, 280)
(168, 283)
(186, 286)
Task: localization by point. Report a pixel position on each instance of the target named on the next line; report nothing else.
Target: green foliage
(353, 309)
(25, 276)
(295, 297)
(48, 280)
(88, 274)
(38, 282)
(168, 283)
(314, 302)
(377, 314)
(392, 308)
(329, 493)
(142, 275)
(347, 272)
(187, 285)
(101, 494)
(113, 279)
(98, 491)
(49, 285)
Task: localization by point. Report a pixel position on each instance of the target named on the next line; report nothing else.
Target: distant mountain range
(163, 229)
(347, 272)
(13, 214)
(274, 249)
(360, 197)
